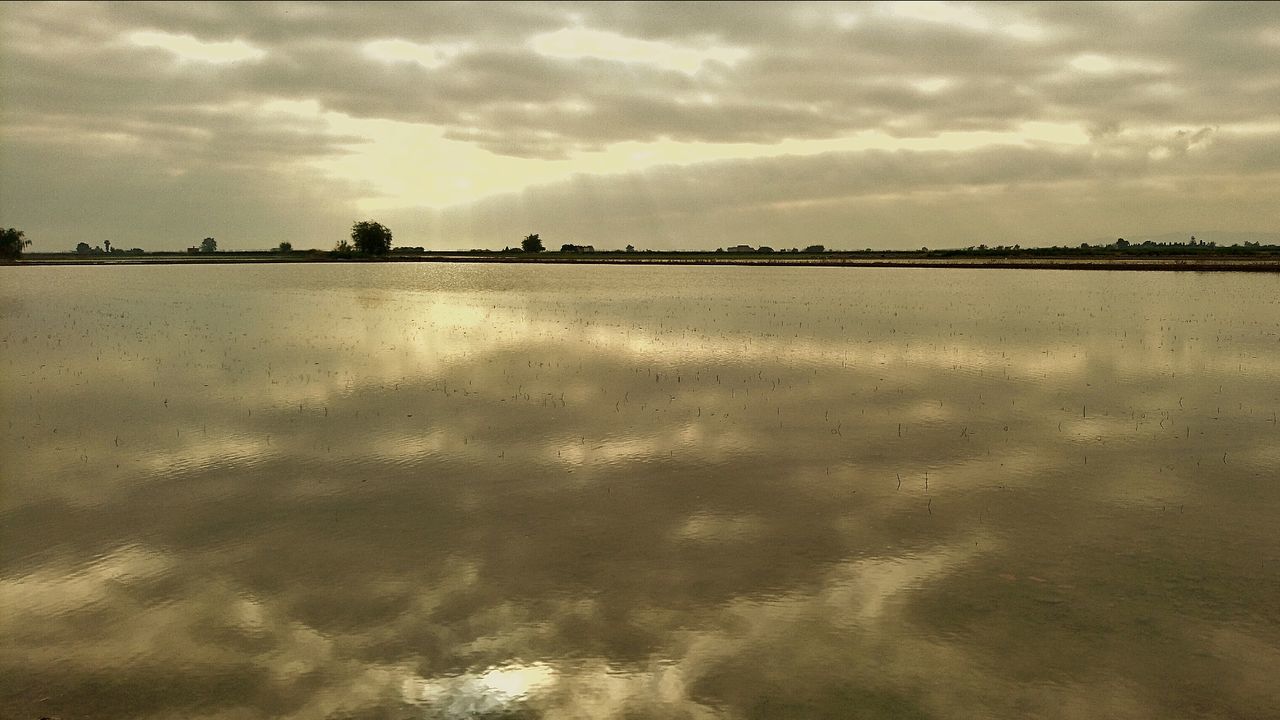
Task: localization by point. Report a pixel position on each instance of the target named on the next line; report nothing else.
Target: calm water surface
(458, 491)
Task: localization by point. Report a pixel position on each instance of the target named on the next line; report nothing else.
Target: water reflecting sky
(454, 491)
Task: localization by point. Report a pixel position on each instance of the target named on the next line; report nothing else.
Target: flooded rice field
(461, 491)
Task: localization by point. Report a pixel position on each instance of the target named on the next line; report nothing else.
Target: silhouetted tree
(285, 247)
(208, 245)
(631, 248)
(371, 238)
(12, 242)
(532, 243)
(83, 248)
(107, 245)
(1122, 243)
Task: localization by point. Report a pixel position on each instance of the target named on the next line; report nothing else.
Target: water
(448, 491)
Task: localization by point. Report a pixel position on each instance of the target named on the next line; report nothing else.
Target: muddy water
(457, 491)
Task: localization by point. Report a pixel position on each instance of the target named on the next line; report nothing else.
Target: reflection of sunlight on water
(497, 689)
(587, 689)
(620, 449)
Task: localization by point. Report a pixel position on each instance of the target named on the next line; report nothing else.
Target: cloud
(430, 56)
(77, 193)
(556, 82)
(575, 43)
(779, 59)
(186, 47)
(998, 195)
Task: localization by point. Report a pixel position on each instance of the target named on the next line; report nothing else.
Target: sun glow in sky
(400, 161)
(258, 123)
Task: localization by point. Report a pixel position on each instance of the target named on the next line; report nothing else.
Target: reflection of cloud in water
(53, 591)
(718, 528)
(861, 589)
(201, 628)
(521, 491)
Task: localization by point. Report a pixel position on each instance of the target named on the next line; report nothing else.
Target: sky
(665, 126)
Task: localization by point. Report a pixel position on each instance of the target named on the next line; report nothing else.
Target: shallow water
(455, 491)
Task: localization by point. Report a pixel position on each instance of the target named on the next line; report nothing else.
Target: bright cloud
(431, 56)
(1098, 64)
(186, 47)
(574, 43)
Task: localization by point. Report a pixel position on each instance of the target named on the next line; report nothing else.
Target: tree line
(370, 238)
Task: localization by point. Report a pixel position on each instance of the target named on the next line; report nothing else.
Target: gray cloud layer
(1025, 195)
(83, 109)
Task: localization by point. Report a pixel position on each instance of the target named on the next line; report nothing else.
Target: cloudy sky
(686, 125)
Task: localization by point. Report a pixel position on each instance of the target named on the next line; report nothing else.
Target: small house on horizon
(741, 249)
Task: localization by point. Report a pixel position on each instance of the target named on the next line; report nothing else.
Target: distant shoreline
(1214, 263)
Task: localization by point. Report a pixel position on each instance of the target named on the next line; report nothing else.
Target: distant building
(578, 248)
(741, 248)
